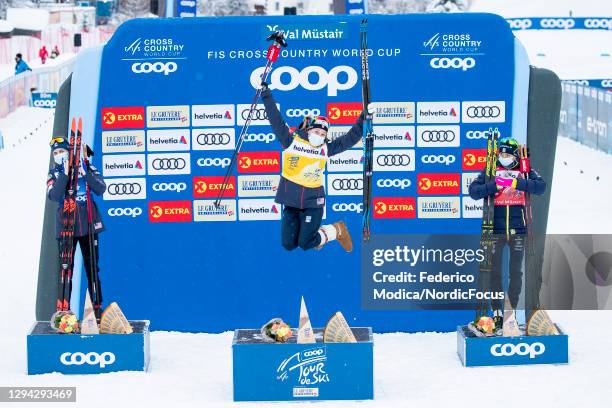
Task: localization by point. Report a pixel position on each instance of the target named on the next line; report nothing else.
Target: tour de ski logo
(309, 366)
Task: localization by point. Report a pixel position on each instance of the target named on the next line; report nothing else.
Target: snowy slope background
(410, 369)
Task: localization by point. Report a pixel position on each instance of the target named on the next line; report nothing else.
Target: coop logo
(311, 78)
(484, 111)
(348, 207)
(126, 189)
(394, 207)
(258, 210)
(123, 117)
(394, 136)
(170, 211)
(455, 63)
(606, 83)
(343, 113)
(446, 159)
(169, 163)
(438, 112)
(309, 366)
(168, 140)
(472, 208)
(125, 212)
(153, 47)
(521, 349)
(438, 183)
(213, 139)
(211, 186)
(476, 134)
(394, 160)
(222, 162)
(123, 141)
(605, 23)
(259, 162)
(299, 113)
(474, 159)
(258, 186)
(157, 67)
(175, 187)
(123, 165)
(345, 184)
(560, 23)
(520, 23)
(394, 183)
(438, 136)
(44, 99)
(439, 207)
(259, 137)
(95, 359)
(213, 115)
(168, 116)
(207, 210)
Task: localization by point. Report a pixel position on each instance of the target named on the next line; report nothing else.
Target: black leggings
(516, 244)
(299, 228)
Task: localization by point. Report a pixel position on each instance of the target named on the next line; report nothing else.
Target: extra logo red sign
(170, 211)
(343, 113)
(394, 207)
(126, 117)
(439, 183)
(259, 162)
(210, 186)
(474, 159)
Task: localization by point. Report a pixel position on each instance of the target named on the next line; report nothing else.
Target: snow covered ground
(410, 369)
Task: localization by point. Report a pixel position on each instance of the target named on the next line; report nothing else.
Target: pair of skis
(368, 133)
(69, 213)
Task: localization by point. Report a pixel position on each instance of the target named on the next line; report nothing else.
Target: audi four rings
(258, 114)
(348, 184)
(438, 136)
(213, 139)
(393, 160)
(124, 188)
(169, 163)
(483, 111)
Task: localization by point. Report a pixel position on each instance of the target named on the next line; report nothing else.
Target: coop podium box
(50, 352)
(495, 351)
(289, 371)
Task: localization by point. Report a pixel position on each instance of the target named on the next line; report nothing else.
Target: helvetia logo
(258, 209)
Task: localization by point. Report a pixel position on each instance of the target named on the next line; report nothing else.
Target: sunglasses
(509, 141)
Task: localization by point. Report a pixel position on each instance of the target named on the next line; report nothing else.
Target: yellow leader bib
(304, 164)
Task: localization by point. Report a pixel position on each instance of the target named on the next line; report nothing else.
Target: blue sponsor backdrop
(219, 275)
(44, 99)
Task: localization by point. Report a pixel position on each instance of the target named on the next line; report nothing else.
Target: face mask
(60, 158)
(506, 161)
(315, 139)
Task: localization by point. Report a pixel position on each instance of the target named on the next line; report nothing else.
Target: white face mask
(506, 161)
(60, 158)
(316, 139)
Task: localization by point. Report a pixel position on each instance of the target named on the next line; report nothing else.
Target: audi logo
(169, 163)
(124, 212)
(296, 113)
(347, 184)
(563, 23)
(393, 160)
(483, 111)
(438, 136)
(124, 188)
(213, 139)
(93, 358)
(178, 187)
(447, 159)
(257, 114)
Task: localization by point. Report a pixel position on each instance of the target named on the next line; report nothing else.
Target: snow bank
(28, 18)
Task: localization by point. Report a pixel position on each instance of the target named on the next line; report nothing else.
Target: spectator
(20, 65)
(43, 54)
(55, 52)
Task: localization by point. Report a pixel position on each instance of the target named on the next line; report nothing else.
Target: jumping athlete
(509, 225)
(305, 153)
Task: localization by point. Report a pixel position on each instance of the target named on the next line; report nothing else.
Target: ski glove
(264, 86)
(371, 109)
(503, 182)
